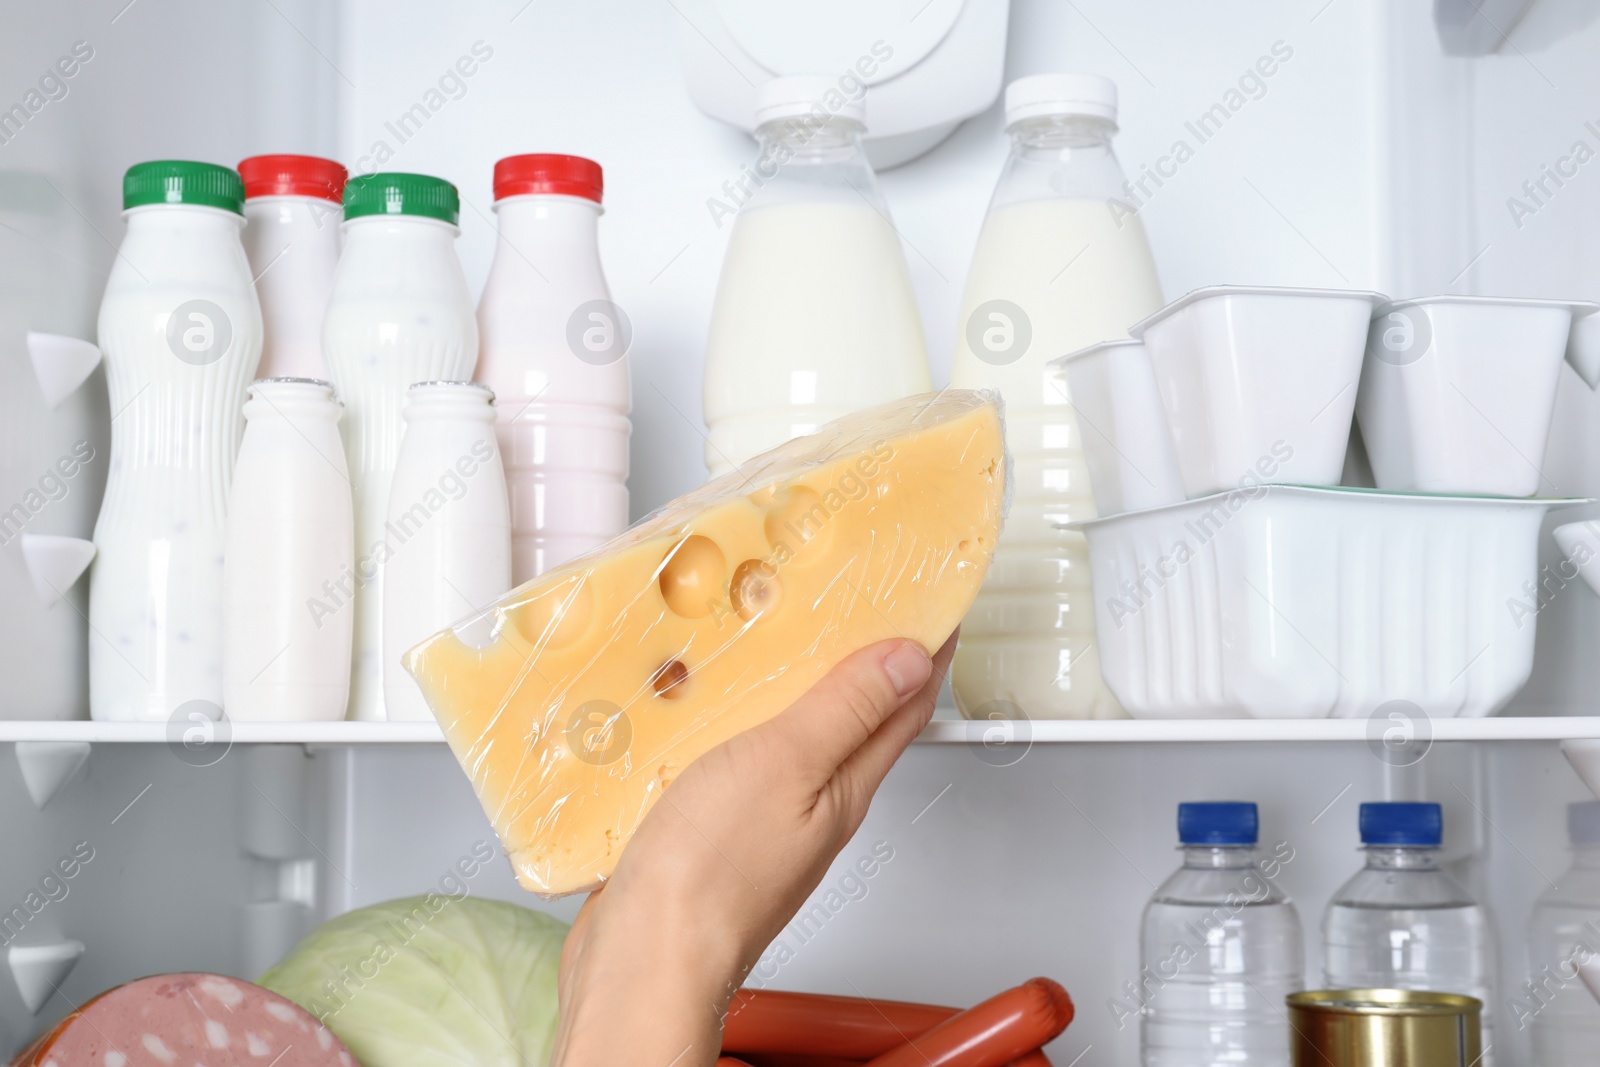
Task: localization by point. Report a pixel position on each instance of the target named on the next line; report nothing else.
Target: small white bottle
(553, 347)
(289, 576)
(400, 313)
(181, 331)
(292, 214)
(1055, 271)
(814, 314)
(449, 528)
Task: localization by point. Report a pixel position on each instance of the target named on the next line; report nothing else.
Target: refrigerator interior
(1368, 160)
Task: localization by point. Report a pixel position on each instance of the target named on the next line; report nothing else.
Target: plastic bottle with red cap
(553, 347)
(292, 214)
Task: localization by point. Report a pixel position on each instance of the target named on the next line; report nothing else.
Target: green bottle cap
(401, 194)
(180, 181)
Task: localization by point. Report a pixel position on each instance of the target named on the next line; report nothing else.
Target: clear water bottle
(1402, 922)
(1221, 949)
(1564, 932)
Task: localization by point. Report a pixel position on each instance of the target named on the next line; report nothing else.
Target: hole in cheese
(558, 616)
(668, 679)
(692, 577)
(797, 517)
(755, 589)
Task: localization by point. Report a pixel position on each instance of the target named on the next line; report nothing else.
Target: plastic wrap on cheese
(574, 701)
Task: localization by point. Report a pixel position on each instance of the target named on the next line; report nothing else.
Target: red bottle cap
(549, 174)
(293, 176)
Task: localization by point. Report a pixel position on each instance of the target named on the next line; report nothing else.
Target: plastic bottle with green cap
(180, 327)
(400, 313)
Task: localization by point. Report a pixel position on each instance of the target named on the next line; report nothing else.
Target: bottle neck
(449, 400)
(1392, 858)
(567, 220)
(1219, 857)
(191, 218)
(1057, 132)
(411, 229)
(809, 139)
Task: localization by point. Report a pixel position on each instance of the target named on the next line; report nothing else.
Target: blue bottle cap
(1226, 822)
(1402, 825)
(1583, 823)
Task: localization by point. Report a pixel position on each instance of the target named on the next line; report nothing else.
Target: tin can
(1384, 1028)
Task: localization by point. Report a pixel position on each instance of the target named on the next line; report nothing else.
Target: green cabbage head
(431, 981)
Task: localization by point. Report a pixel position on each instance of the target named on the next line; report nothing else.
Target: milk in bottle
(1056, 269)
(181, 332)
(400, 313)
(814, 315)
(448, 525)
(553, 347)
(291, 234)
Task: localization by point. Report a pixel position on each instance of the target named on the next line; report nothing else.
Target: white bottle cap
(1039, 95)
(796, 95)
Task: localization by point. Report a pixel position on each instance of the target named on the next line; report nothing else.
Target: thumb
(839, 713)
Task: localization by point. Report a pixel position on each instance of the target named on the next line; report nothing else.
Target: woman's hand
(726, 858)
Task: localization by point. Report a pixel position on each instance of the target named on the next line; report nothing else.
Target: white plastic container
(292, 214)
(814, 314)
(554, 350)
(1583, 343)
(1027, 647)
(1458, 391)
(1124, 429)
(288, 579)
(181, 331)
(1291, 602)
(1580, 549)
(1259, 383)
(400, 313)
(449, 528)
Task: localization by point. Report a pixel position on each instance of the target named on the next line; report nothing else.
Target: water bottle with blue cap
(1221, 947)
(1402, 922)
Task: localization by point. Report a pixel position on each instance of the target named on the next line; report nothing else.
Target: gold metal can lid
(1384, 1002)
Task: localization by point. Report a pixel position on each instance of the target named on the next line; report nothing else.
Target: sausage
(992, 1034)
(814, 1024)
(1036, 1058)
(794, 1059)
(183, 1019)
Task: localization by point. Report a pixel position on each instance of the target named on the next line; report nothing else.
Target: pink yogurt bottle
(553, 347)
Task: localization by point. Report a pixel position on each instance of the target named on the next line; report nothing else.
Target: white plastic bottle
(292, 215)
(181, 332)
(814, 315)
(288, 577)
(553, 347)
(1221, 947)
(449, 528)
(400, 313)
(1055, 270)
(1403, 923)
(1564, 934)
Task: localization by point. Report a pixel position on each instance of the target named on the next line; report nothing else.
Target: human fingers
(821, 729)
(863, 770)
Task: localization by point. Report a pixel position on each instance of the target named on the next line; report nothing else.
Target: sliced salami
(187, 1020)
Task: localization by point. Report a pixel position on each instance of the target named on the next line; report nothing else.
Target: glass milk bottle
(400, 313)
(449, 527)
(553, 347)
(181, 332)
(1055, 270)
(290, 557)
(291, 234)
(814, 314)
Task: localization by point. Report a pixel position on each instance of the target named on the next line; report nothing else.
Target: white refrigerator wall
(1367, 160)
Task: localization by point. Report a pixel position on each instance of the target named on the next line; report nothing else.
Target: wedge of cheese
(574, 702)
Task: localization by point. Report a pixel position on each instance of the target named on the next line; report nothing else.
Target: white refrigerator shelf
(941, 731)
